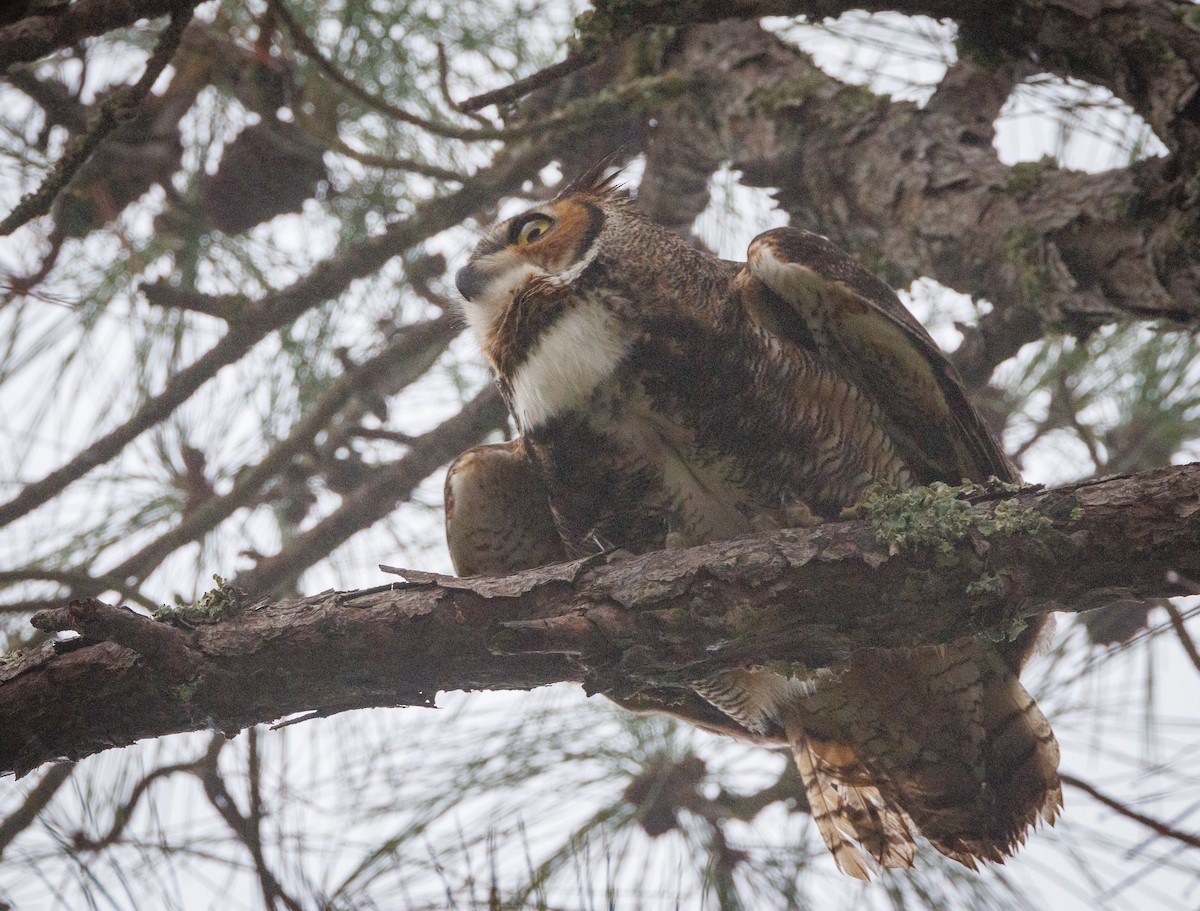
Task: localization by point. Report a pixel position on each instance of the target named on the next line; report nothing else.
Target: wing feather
(799, 285)
(498, 518)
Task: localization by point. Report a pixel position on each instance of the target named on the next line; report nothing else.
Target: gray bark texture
(620, 624)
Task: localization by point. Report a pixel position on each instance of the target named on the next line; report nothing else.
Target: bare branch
(35, 36)
(112, 112)
(813, 596)
(259, 318)
(1149, 822)
(37, 799)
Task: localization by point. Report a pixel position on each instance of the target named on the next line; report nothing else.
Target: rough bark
(810, 597)
(64, 25)
(920, 191)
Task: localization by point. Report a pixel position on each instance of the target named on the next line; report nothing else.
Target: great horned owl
(667, 396)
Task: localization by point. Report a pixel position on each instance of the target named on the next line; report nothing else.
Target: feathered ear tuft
(594, 182)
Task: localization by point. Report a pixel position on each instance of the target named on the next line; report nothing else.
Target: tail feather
(860, 828)
(944, 740)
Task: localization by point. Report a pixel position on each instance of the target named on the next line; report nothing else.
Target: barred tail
(943, 740)
(860, 828)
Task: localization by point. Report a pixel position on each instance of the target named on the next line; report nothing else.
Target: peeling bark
(809, 596)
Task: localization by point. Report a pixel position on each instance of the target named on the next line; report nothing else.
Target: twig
(410, 355)
(112, 112)
(35, 801)
(306, 46)
(377, 497)
(1148, 821)
(391, 163)
(444, 87)
(529, 84)
(1185, 638)
(378, 433)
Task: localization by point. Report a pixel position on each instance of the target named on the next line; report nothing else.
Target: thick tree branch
(811, 596)
(36, 36)
(922, 192)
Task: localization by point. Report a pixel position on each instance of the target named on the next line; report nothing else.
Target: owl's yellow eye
(531, 230)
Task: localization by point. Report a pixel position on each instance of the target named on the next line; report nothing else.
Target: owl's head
(551, 244)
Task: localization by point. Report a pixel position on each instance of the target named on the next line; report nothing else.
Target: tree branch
(120, 106)
(1154, 825)
(379, 494)
(279, 308)
(658, 620)
(35, 36)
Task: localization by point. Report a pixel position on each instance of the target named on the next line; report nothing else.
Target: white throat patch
(577, 353)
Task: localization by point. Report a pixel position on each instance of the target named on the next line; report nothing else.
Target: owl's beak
(469, 282)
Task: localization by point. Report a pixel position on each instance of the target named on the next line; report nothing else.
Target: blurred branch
(392, 163)
(1185, 638)
(654, 620)
(163, 294)
(374, 499)
(35, 36)
(35, 801)
(573, 115)
(247, 827)
(123, 813)
(401, 364)
(77, 581)
(280, 308)
(1149, 822)
(60, 105)
(310, 50)
(575, 60)
(112, 112)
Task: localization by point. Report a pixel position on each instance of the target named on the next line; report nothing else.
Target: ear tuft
(595, 182)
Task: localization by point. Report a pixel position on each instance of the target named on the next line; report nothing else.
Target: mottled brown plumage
(664, 395)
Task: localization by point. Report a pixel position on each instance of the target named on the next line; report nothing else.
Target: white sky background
(1101, 724)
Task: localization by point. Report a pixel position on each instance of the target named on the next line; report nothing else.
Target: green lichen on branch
(937, 517)
(1005, 632)
(185, 692)
(986, 584)
(1025, 249)
(1025, 177)
(213, 606)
